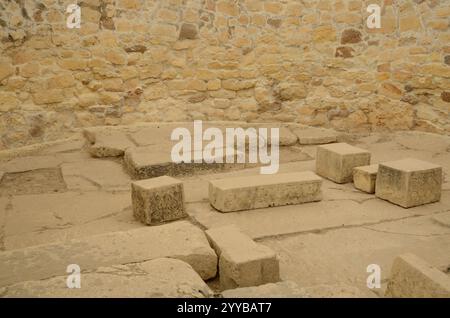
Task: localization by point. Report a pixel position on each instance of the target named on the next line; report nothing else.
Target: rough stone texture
(412, 277)
(216, 61)
(242, 262)
(155, 161)
(409, 182)
(158, 200)
(107, 143)
(364, 178)
(315, 136)
(159, 278)
(179, 240)
(273, 290)
(253, 192)
(336, 161)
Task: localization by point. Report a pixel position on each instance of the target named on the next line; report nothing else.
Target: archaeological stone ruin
(225, 149)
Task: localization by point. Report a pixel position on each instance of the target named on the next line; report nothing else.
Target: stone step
(156, 161)
(162, 277)
(261, 191)
(412, 277)
(107, 143)
(315, 136)
(180, 240)
(365, 177)
(242, 262)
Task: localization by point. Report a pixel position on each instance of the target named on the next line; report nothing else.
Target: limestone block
(158, 200)
(409, 182)
(162, 277)
(242, 262)
(412, 277)
(364, 178)
(336, 161)
(180, 240)
(285, 289)
(261, 191)
(107, 143)
(315, 136)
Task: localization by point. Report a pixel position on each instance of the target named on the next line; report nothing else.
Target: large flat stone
(23, 164)
(315, 136)
(409, 182)
(412, 277)
(107, 142)
(162, 277)
(261, 191)
(337, 161)
(272, 290)
(180, 240)
(156, 161)
(242, 262)
(158, 200)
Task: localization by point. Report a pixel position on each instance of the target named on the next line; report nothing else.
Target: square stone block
(242, 262)
(364, 178)
(409, 182)
(337, 161)
(158, 200)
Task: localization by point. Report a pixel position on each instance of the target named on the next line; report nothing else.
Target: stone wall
(308, 61)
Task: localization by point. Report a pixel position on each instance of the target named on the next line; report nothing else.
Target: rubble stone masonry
(309, 61)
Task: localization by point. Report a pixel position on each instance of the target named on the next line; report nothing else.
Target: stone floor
(58, 192)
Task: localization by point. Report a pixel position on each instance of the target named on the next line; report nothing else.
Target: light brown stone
(245, 193)
(336, 161)
(242, 262)
(158, 200)
(285, 289)
(364, 178)
(409, 182)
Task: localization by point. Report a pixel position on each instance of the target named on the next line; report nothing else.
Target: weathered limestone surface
(179, 240)
(315, 136)
(253, 192)
(412, 277)
(409, 182)
(155, 161)
(364, 178)
(285, 289)
(242, 262)
(336, 161)
(107, 143)
(28, 163)
(162, 277)
(158, 200)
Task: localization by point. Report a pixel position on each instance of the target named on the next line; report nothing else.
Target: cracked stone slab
(180, 240)
(443, 219)
(157, 278)
(40, 212)
(23, 164)
(309, 217)
(107, 143)
(286, 289)
(94, 172)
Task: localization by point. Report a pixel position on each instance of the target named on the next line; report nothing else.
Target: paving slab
(242, 262)
(413, 277)
(95, 172)
(180, 240)
(442, 219)
(285, 289)
(261, 191)
(23, 164)
(107, 142)
(157, 278)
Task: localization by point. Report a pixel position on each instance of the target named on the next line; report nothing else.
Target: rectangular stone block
(261, 191)
(158, 200)
(242, 262)
(364, 178)
(409, 182)
(412, 277)
(286, 289)
(337, 161)
(180, 240)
